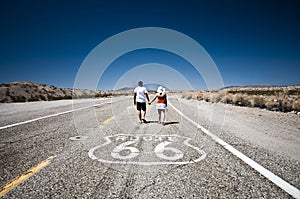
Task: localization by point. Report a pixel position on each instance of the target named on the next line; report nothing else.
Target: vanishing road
(96, 149)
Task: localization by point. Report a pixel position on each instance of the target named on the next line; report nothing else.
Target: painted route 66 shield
(143, 149)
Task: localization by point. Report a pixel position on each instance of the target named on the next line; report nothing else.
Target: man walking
(139, 99)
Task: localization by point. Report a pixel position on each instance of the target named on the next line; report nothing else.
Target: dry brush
(283, 99)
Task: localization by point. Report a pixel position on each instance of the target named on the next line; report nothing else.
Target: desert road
(97, 149)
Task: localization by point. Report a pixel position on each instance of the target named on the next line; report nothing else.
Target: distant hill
(153, 87)
(125, 90)
(25, 91)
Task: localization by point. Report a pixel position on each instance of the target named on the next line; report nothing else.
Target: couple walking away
(140, 97)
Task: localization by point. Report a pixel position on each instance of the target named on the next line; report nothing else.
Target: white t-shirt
(140, 94)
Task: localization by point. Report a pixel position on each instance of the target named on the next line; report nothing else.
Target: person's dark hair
(140, 83)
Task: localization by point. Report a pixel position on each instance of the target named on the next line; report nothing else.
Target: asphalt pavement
(98, 149)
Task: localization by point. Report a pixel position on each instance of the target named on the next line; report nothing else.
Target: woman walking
(161, 105)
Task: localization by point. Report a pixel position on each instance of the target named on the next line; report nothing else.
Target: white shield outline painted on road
(202, 154)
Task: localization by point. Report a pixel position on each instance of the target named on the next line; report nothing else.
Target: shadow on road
(166, 123)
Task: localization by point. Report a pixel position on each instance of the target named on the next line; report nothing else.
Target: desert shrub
(253, 92)
(246, 100)
(272, 103)
(18, 98)
(103, 94)
(48, 96)
(227, 98)
(68, 97)
(257, 101)
(296, 105)
(84, 95)
(199, 96)
(207, 96)
(7, 92)
(285, 106)
(42, 97)
(293, 92)
(33, 98)
(276, 99)
(187, 95)
(280, 105)
(237, 99)
(241, 100)
(56, 97)
(215, 97)
(281, 102)
(4, 100)
(43, 90)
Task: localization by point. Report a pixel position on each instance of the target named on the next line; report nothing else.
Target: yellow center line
(108, 120)
(21, 178)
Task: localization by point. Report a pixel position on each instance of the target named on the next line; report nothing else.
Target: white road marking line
(287, 187)
(48, 116)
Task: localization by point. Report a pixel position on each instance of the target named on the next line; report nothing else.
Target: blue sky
(252, 42)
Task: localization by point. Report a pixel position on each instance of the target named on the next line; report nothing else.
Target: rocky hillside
(275, 98)
(25, 91)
